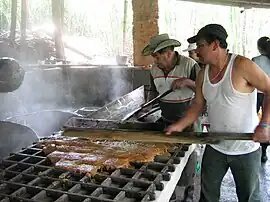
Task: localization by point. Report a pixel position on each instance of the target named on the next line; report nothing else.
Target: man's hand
(176, 127)
(261, 134)
(182, 82)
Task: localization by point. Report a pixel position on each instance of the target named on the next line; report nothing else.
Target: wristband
(264, 125)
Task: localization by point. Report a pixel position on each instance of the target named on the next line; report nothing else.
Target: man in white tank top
(228, 86)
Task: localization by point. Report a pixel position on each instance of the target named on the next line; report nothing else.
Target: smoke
(34, 102)
(121, 80)
(46, 98)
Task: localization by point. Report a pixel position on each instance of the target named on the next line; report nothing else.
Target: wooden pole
(156, 136)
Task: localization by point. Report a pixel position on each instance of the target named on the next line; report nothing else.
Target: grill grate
(29, 176)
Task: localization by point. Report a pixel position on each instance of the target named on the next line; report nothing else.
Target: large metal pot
(14, 137)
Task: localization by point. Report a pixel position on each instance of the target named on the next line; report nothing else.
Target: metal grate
(29, 176)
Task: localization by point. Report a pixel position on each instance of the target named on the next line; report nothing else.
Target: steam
(34, 103)
(47, 98)
(121, 85)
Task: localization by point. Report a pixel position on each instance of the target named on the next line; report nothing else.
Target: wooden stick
(155, 136)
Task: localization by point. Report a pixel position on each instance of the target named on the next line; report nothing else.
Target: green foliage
(4, 15)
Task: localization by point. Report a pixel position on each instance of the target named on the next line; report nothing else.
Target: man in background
(173, 71)
(192, 53)
(263, 61)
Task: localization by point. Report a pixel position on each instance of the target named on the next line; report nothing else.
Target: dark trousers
(260, 97)
(245, 169)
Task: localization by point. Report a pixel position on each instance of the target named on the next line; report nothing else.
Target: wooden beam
(237, 3)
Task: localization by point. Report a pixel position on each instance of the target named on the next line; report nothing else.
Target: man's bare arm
(259, 80)
(192, 85)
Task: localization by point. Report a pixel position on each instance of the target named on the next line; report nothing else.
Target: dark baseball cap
(210, 30)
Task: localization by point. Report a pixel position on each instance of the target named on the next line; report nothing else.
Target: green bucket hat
(159, 42)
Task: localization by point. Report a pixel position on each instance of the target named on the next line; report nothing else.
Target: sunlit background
(96, 27)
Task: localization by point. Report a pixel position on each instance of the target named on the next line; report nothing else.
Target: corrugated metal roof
(239, 3)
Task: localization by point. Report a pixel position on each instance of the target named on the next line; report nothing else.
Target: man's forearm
(266, 109)
(192, 85)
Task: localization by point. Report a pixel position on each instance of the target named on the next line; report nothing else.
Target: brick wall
(145, 25)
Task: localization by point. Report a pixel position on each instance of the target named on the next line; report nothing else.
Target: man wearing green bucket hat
(177, 72)
(171, 71)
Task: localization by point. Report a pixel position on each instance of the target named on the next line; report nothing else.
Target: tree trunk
(24, 16)
(13, 20)
(57, 17)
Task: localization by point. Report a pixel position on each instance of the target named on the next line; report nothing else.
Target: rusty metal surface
(77, 123)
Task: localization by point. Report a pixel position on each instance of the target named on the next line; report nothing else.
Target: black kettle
(11, 75)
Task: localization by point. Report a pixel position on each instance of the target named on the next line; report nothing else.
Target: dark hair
(264, 45)
(163, 50)
(211, 38)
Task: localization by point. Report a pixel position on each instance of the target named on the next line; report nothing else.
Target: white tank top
(230, 111)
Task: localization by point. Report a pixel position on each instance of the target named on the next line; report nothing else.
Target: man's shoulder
(154, 69)
(185, 60)
(241, 61)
